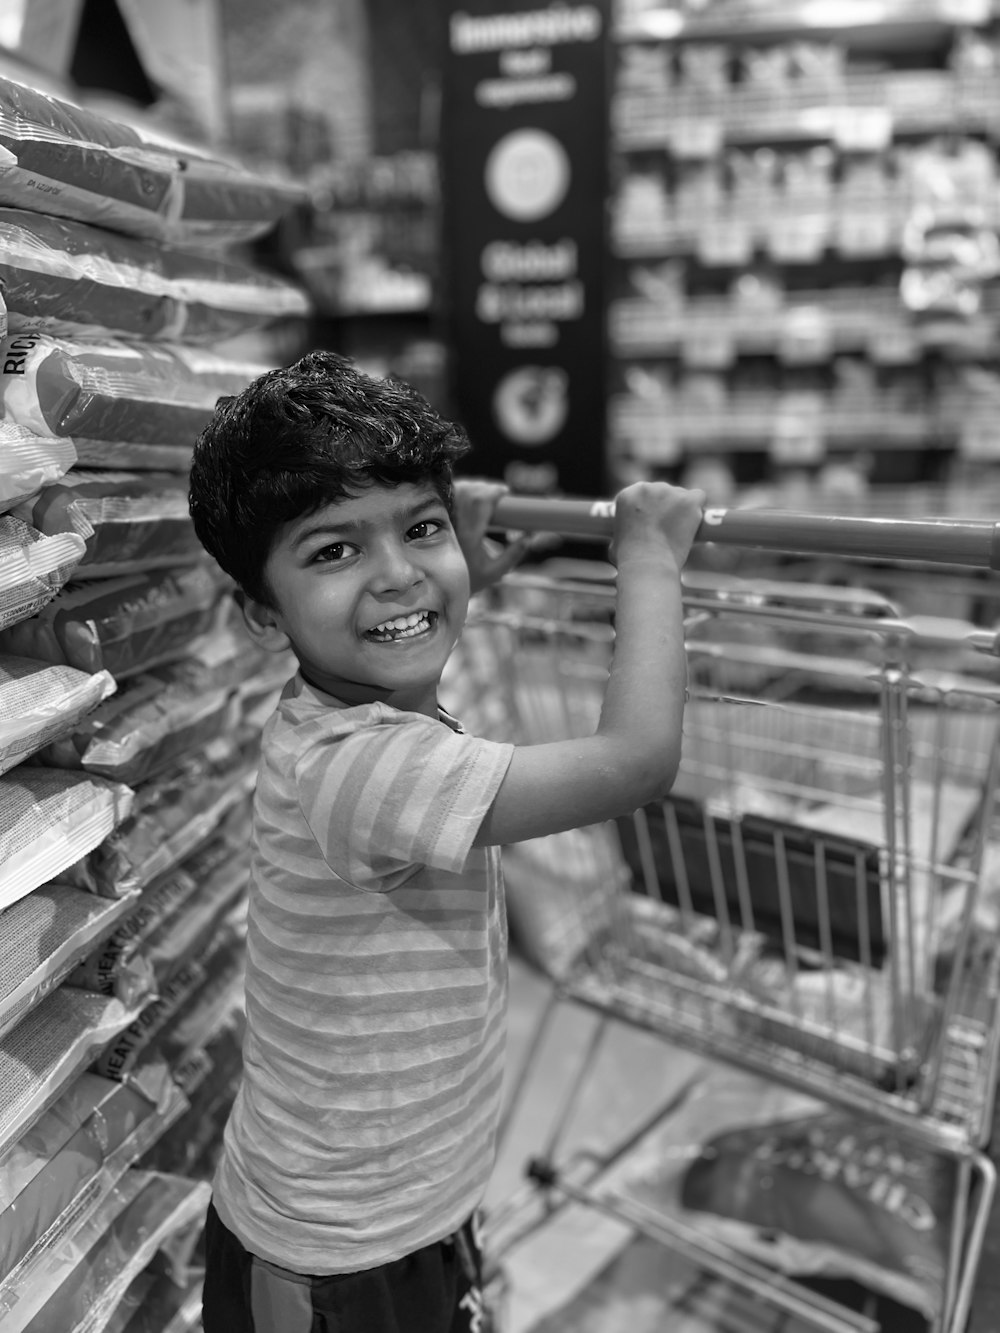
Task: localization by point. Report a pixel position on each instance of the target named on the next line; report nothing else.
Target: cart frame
(937, 1090)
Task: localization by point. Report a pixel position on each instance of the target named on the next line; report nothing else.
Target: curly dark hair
(301, 437)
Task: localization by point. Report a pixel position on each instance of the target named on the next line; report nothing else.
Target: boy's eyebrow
(322, 528)
(325, 525)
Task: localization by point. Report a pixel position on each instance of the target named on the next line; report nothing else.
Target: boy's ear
(262, 624)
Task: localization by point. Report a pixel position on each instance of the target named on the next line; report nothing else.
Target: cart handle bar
(941, 541)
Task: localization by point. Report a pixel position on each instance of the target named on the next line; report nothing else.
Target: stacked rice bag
(123, 404)
(808, 1189)
(131, 703)
(38, 551)
(69, 278)
(65, 161)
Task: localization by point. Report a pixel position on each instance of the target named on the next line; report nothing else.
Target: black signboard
(524, 175)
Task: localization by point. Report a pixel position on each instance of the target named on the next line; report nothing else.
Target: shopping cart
(960, 590)
(805, 903)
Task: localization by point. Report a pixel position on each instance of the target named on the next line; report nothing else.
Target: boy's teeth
(401, 622)
(417, 620)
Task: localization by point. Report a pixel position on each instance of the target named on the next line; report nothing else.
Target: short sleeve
(387, 799)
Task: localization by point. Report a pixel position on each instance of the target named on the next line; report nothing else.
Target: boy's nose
(394, 569)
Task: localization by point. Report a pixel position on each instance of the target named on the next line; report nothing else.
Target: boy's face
(371, 592)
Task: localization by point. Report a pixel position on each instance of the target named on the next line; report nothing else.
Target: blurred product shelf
(803, 231)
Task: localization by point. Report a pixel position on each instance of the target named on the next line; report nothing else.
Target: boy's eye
(333, 553)
(427, 527)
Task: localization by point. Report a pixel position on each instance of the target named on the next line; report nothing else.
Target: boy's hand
(653, 517)
(488, 561)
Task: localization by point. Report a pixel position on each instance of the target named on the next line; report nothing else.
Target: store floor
(583, 1272)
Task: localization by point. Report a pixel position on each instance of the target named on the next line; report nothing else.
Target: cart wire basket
(807, 903)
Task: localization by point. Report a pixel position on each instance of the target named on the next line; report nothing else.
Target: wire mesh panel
(805, 901)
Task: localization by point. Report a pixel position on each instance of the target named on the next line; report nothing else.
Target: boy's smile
(371, 592)
(403, 627)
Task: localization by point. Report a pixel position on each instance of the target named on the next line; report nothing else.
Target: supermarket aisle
(587, 1274)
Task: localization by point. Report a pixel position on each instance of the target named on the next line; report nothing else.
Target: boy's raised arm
(633, 755)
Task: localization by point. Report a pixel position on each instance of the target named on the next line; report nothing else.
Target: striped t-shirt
(376, 988)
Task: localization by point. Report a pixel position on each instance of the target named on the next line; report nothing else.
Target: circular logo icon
(527, 175)
(530, 404)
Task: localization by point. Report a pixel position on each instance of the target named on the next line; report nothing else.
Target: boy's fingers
(481, 496)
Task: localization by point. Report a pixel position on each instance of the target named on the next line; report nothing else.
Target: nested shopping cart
(808, 901)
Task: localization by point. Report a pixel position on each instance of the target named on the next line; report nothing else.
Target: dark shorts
(438, 1289)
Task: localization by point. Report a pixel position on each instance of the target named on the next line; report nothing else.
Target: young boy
(362, 1137)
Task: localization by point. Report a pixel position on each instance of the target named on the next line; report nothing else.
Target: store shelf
(663, 434)
(810, 330)
(367, 286)
(367, 242)
(863, 113)
(789, 238)
(805, 200)
(906, 23)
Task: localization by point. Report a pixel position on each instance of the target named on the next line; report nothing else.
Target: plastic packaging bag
(136, 1298)
(28, 462)
(804, 1187)
(40, 702)
(258, 695)
(109, 970)
(189, 1145)
(849, 1015)
(117, 966)
(189, 1005)
(229, 657)
(155, 719)
(219, 1057)
(145, 393)
(127, 1047)
(222, 957)
(561, 894)
(90, 1275)
(57, 1175)
(122, 625)
(48, 1049)
(155, 1303)
(140, 521)
(34, 564)
(116, 454)
(48, 821)
(189, 933)
(65, 278)
(43, 937)
(172, 817)
(67, 161)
